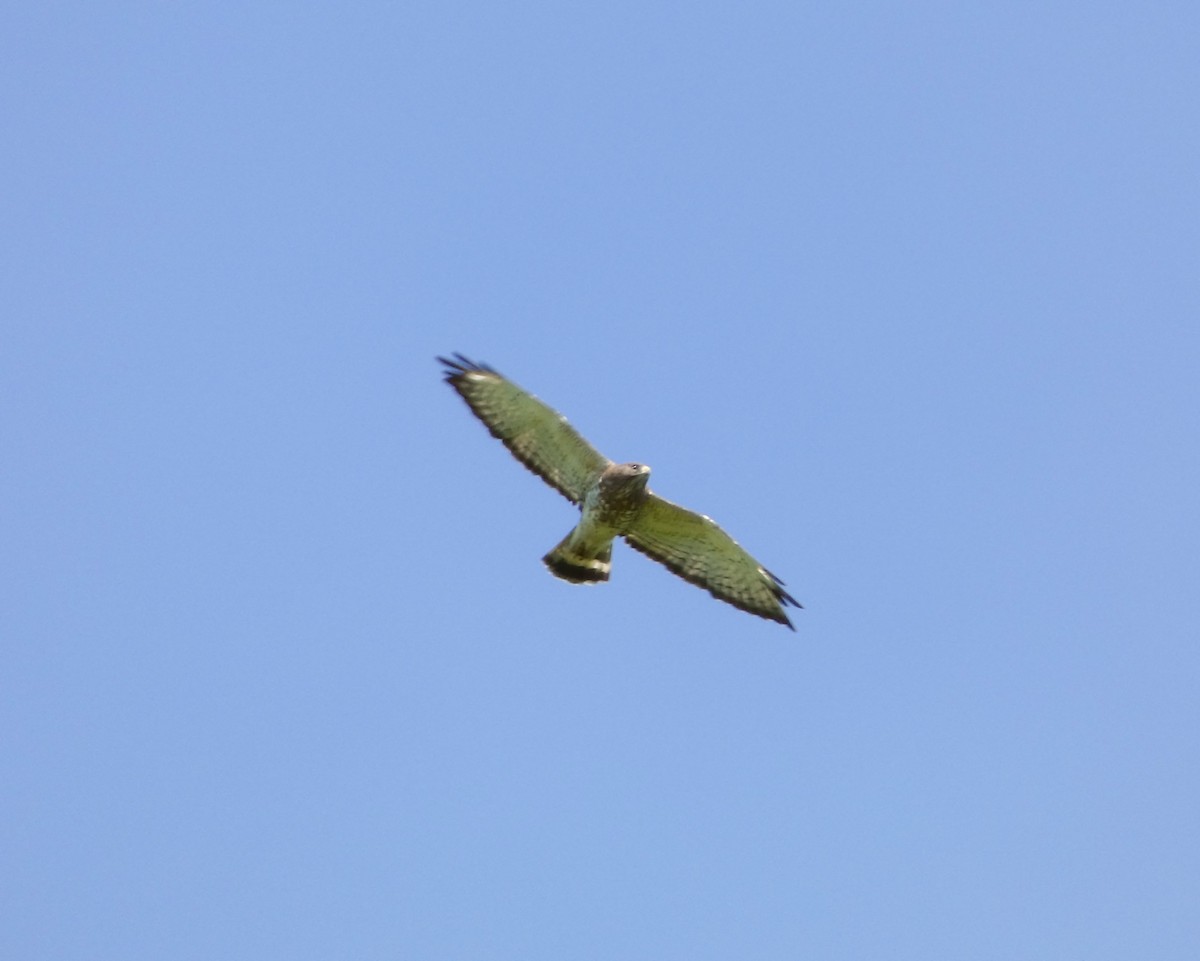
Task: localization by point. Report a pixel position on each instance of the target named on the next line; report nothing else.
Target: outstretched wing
(538, 436)
(694, 547)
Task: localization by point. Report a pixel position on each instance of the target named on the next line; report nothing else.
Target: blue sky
(904, 295)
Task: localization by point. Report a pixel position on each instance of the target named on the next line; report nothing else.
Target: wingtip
(780, 617)
(456, 365)
(785, 599)
(781, 595)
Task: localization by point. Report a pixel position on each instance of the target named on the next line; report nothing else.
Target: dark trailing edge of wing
(776, 587)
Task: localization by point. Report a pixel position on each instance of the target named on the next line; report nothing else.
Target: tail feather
(577, 563)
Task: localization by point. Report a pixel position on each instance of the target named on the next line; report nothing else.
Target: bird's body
(614, 501)
(610, 509)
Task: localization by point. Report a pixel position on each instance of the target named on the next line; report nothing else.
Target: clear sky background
(905, 295)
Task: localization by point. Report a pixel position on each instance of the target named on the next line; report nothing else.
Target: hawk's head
(620, 482)
(633, 474)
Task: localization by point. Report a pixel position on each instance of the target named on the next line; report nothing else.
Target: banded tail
(580, 563)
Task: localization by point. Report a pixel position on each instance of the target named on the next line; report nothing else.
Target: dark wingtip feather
(453, 370)
(780, 616)
(461, 364)
(783, 596)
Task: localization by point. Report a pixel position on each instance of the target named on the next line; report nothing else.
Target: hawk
(614, 501)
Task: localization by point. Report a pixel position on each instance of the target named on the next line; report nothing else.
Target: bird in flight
(614, 501)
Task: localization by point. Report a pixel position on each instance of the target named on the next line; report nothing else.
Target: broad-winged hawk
(614, 501)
